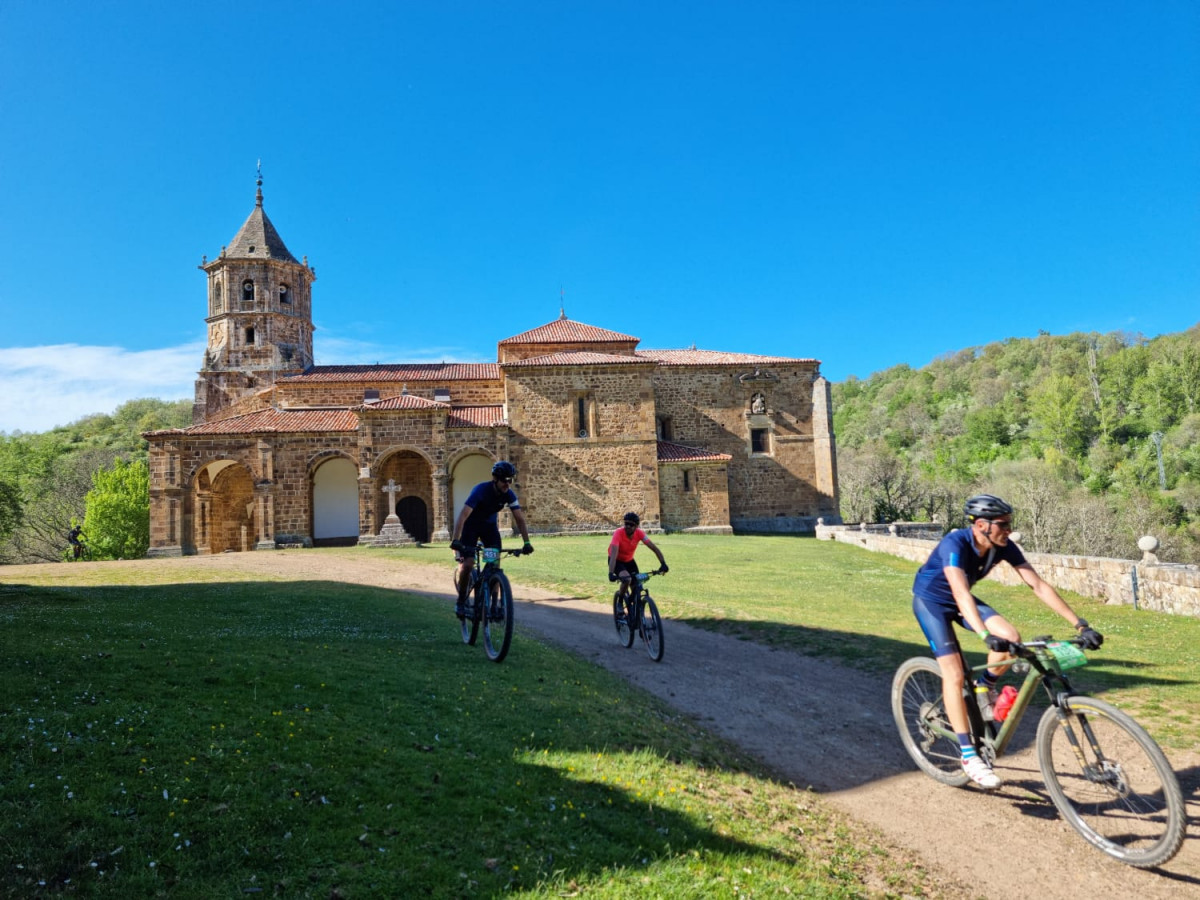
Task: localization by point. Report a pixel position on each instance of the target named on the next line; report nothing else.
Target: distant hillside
(44, 477)
(1094, 438)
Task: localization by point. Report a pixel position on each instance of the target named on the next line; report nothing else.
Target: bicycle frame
(1043, 671)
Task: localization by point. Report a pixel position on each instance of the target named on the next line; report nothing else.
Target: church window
(249, 334)
(687, 481)
(247, 293)
(663, 428)
(218, 296)
(759, 441)
(583, 415)
(285, 294)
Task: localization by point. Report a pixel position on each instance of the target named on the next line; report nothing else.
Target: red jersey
(626, 544)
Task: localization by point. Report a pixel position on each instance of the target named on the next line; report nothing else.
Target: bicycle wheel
(621, 617)
(920, 715)
(470, 622)
(650, 625)
(497, 616)
(1111, 782)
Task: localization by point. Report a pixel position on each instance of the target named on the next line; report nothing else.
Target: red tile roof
(715, 358)
(475, 417)
(669, 451)
(399, 372)
(578, 358)
(565, 331)
(401, 401)
(275, 421)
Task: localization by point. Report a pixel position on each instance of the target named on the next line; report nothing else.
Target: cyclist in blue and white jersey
(942, 596)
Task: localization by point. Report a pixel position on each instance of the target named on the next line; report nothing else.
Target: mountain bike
(489, 603)
(1106, 775)
(78, 551)
(639, 612)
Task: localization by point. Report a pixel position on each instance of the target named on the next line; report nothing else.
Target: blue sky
(864, 183)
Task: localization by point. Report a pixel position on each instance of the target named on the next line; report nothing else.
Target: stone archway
(414, 475)
(226, 513)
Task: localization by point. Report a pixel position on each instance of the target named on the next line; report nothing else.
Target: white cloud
(43, 387)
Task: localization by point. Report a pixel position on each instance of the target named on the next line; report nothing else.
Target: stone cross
(392, 490)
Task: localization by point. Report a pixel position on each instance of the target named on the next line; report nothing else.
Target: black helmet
(504, 469)
(632, 518)
(985, 506)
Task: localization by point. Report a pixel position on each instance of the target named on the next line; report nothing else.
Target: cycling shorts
(936, 620)
(630, 566)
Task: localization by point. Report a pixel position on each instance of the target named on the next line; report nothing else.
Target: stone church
(283, 452)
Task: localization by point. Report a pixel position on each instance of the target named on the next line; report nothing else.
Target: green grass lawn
(836, 601)
(217, 739)
(213, 739)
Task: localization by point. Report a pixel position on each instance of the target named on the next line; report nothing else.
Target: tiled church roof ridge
(276, 421)
(257, 238)
(398, 372)
(577, 358)
(476, 416)
(669, 451)
(566, 331)
(695, 357)
(401, 401)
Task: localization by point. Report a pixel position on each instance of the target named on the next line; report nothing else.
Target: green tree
(10, 508)
(118, 511)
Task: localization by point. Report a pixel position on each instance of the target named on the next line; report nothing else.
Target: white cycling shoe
(981, 773)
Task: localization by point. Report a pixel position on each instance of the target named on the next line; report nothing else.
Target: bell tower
(259, 316)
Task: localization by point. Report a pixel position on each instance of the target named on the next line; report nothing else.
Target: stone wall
(695, 497)
(1146, 583)
(584, 482)
(772, 489)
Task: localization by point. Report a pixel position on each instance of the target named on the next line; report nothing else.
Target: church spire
(258, 193)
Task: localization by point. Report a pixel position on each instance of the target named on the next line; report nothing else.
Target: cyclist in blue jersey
(477, 522)
(942, 596)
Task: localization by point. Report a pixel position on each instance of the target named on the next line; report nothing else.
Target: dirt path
(816, 723)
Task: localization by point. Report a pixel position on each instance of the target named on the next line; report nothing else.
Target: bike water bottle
(1004, 702)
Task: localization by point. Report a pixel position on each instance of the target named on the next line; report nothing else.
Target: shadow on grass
(328, 736)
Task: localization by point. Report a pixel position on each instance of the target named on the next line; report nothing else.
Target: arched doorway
(414, 516)
(413, 475)
(335, 503)
(468, 472)
(226, 513)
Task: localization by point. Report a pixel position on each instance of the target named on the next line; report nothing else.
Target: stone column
(441, 507)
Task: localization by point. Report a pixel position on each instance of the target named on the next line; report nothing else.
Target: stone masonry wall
(341, 393)
(710, 407)
(1164, 588)
(584, 483)
(704, 506)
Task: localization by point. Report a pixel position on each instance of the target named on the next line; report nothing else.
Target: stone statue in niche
(758, 404)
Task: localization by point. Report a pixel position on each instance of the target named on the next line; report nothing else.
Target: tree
(10, 508)
(118, 511)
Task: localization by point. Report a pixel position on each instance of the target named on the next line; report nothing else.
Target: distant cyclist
(75, 539)
(477, 522)
(625, 540)
(942, 595)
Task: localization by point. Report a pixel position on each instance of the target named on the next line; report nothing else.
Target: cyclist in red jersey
(620, 551)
